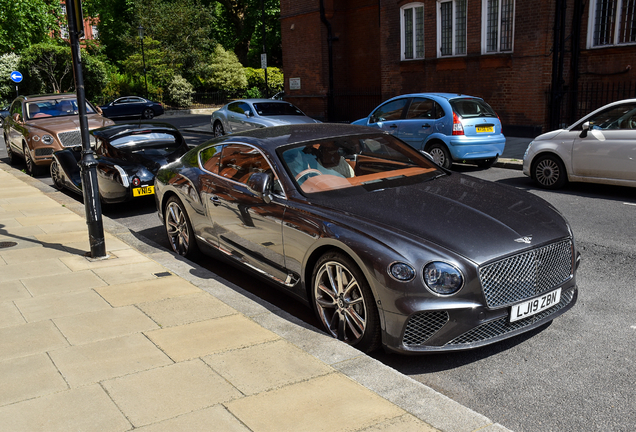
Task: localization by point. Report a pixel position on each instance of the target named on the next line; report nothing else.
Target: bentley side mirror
(17, 118)
(260, 184)
(99, 111)
(248, 113)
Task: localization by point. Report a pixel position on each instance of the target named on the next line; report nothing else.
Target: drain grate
(4, 245)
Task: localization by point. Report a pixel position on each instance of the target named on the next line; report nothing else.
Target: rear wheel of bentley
(344, 303)
(179, 229)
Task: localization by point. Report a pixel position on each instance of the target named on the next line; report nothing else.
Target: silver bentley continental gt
(388, 248)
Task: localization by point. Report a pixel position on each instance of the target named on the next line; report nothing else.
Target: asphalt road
(575, 374)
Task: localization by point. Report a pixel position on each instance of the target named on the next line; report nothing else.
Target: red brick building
(539, 63)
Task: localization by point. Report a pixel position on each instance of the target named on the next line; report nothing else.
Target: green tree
(27, 22)
(179, 92)
(116, 29)
(48, 68)
(256, 79)
(8, 64)
(222, 72)
(239, 28)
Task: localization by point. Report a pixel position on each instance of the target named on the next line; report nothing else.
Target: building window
(412, 26)
(497, 26)
(612, 22)
(451, 27)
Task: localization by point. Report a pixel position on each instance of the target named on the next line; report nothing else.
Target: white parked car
(599, 148)
(245, 114)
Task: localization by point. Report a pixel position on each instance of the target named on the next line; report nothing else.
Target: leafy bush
(179, 92)
(256, 79)
(222, 72)
(8, 64)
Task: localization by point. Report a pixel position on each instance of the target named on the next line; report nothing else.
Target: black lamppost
(143, 56)
(88, 164)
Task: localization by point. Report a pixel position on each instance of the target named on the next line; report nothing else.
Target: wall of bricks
(366, 57)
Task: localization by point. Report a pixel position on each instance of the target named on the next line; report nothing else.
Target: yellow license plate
(144, 190)
(482, 129)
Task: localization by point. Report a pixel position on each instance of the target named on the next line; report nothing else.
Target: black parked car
(386, 246)
(128, 157)
(132, 106)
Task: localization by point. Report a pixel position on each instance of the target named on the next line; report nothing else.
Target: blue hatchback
(450, 127)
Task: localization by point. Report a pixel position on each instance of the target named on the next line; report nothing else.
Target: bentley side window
(210, 158)
(239, 162)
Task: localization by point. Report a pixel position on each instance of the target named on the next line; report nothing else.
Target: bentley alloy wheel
(179, 229)
(344, 302)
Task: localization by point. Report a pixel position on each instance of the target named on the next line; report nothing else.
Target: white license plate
(535, 305)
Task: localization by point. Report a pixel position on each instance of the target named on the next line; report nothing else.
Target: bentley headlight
(401, 272)
(47, 139)
(443, 278)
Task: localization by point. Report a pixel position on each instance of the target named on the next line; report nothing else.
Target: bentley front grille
(423, 325)
(526, 275)
(502, 326)
(70, 138)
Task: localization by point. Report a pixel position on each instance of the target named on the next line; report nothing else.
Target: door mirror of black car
(260, 184)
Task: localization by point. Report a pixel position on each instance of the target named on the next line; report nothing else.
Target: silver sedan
(599, 148)
(246, 114)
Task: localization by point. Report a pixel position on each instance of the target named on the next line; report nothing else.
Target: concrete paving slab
(16, 189)
(432, 407)
(31, 202)
(125, 258)
(63, 238)
(266, 366)
(46, 211)
(12, 290)
(60, 305)
(104, 324)
(125, 273)
(57, 284)
(62, 227)
(216, 418)
(158, 288)
(90, 363)
(29, 339)
(21, 234)
(34, 254)
(186, 309)
(28, 377)
(330, 403)
(10, 315)
(159, 394)
(403, 423)
(209, 337)
(86, 409)
(47, 267)
(48, 219)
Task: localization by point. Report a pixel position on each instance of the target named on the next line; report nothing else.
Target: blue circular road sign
(16, 76)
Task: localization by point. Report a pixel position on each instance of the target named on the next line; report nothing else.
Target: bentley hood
(477, 219)
(291, 119)
(56, 125)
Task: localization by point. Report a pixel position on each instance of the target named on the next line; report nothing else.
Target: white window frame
(416, 32)
(454, 48)
(484, 28)
(618, 26)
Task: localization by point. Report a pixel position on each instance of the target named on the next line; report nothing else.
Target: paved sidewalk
(145, 340)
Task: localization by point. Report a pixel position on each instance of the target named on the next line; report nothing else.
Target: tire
(218, 129)
(440, 154)
(31, 168)
(10, 155)
(148, 113)
(549, 172)
(179, 229)
(343, 302)
(56, 176)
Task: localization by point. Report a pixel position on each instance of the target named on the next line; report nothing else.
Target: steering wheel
(307, 172)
